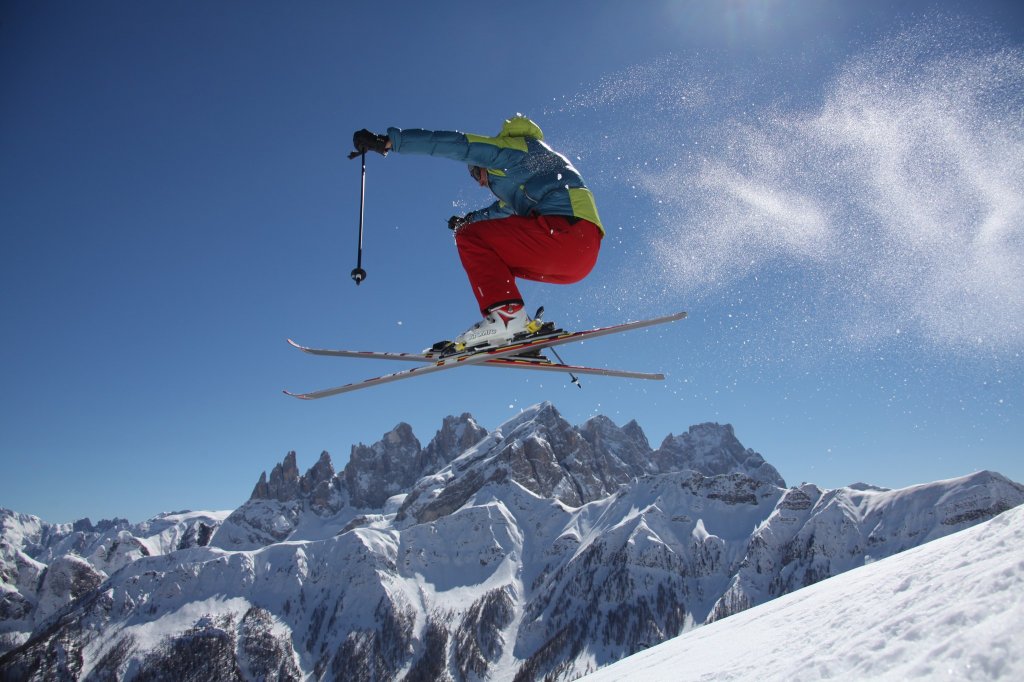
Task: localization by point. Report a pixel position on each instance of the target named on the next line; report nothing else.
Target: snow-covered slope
(536, 550)
(952, 609)
(813, 533)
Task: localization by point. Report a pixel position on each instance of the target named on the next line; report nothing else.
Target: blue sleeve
(469, 149)
(499, 209)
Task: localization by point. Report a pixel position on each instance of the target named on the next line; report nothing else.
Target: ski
(548, 366)
(479, 357)
(425, 356)
(365, 354)
(540, 363)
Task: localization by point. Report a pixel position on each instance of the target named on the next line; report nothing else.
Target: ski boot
(501, 326)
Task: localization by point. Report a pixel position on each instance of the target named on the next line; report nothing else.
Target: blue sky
(833, 190)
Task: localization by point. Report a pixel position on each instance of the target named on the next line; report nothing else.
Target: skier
(543, 227)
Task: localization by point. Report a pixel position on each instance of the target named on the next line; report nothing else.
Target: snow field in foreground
(952, 609)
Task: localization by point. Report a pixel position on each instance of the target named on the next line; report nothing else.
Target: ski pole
(575, 379)
(358, 275)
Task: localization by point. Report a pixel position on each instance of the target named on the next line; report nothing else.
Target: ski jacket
(524, 173)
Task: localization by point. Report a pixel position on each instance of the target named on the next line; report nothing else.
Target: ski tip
(304, 349)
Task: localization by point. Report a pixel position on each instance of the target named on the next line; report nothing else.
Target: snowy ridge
(822, 533)
(952, 609)
(44, 566)
(538, 549)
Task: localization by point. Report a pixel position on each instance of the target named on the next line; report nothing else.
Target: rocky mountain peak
(713, 449)
(636, 434)
(283, 484)
(456, 435)
(320, 473)
(536, 448)
(544, 453)
(284, 479)
(376, 472)
(543, 422)
(286, 485)
(318, 485)
(626, 448)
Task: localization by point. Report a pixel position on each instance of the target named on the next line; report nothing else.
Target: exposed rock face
(456, 435)
(712, 449)
(285, 484)
(624, 452)
(536, 551)
(383, 469)
(229, 646)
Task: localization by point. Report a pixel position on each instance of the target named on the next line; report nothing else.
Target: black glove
(456, 222)
(365, 141)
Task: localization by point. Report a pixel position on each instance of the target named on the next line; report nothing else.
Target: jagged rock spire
(712, 449)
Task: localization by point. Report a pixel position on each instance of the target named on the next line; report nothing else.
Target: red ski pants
(539, 248)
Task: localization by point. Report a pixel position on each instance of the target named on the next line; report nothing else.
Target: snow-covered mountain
(44, 566)
(952, 609)
(534, 550)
